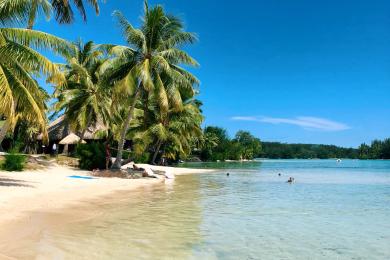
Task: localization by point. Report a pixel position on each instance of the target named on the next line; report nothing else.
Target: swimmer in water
(227, 174)
(290, 180)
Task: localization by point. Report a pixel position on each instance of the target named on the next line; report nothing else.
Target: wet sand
(33, 201)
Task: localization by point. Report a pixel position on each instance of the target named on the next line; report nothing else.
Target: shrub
(141, 158)
(92, 156)
(14, 162)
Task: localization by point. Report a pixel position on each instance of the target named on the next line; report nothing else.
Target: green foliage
(14, 161)
(152, 68)
(26, 11)
(216, 142)
(84, 100)
(250, 146)
(276, 150)
(141, 158)
(377, 150)
(218, 146)
(92, 156)
(21, 96)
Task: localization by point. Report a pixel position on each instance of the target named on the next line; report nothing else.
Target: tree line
(378, 149)
(276, 150)
(217, 145)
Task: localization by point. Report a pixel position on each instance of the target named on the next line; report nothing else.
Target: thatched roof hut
(60, 128)
(71, 139)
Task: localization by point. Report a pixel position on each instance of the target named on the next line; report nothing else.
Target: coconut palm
(151, 62)
(38, 6)
(172, 133)
(12, 11)
(84, 99)
(20, 63)
(64, 11)
(26, 10)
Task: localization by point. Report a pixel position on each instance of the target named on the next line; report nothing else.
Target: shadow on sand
(7, 182)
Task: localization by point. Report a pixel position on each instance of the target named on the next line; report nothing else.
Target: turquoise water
(332, 211)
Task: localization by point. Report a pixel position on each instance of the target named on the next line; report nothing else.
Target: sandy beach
(24, 195)
(52, 188)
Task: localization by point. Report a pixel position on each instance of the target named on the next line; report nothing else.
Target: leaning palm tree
(84, 99)
(151, 63)
(20, 63)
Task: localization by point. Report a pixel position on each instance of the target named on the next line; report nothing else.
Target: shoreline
(32, 201)
(52, 188)
(22, 193)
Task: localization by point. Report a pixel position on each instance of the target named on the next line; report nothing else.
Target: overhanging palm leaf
(64, 12)
(22, 11)
(21, 94)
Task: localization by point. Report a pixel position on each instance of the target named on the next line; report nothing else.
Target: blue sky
(290, 71)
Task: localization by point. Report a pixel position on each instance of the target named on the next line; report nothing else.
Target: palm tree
(151, 62)
(64, 11)
(38, 6)
(173, 132)
(20, 93)
(84, 99)
(27, 10)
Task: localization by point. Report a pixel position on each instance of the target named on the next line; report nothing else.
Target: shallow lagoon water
(332, 211)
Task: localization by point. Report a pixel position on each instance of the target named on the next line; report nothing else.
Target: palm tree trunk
(30, 24)
(3, 131)
(117, 164)
(159, 143)
(32, 15)
(86, 127)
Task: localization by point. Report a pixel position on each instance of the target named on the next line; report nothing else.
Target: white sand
(24, 192)
(27, 197)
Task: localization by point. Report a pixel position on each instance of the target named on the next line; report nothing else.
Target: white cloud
(305, 122)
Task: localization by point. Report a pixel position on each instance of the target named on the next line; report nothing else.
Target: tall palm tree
(19, 64)
(26, 10)
(151, 63)
(84, 99)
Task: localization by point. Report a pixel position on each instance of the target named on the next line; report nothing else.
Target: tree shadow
(7, 182)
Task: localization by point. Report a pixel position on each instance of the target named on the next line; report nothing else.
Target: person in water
(227, 174)
(290, 180)
(279, 174)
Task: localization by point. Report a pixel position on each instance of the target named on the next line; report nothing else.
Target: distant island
(218, 146)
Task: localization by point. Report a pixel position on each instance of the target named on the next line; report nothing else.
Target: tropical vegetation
(84, 99)
(216, 145)
(276, 150)
(378, 149)
(149, 69)
(21, 64)
(142, 92)
(26, 11)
